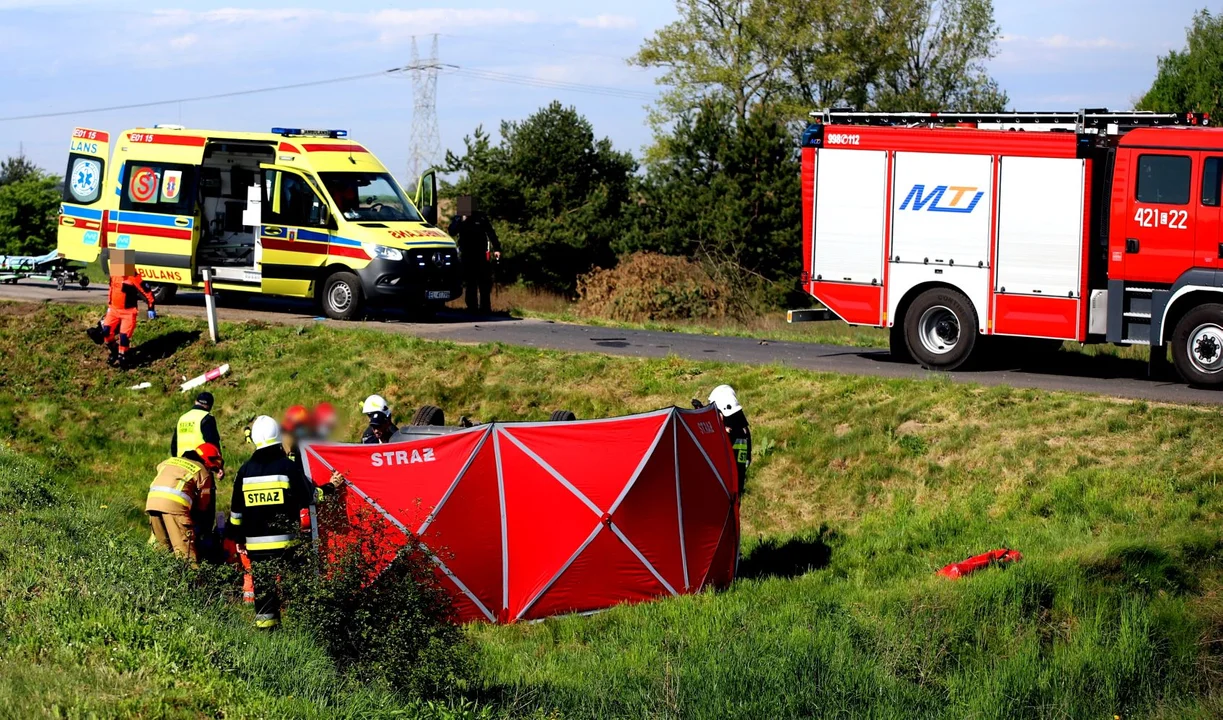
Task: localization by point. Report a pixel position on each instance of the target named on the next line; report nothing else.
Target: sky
(512, 57)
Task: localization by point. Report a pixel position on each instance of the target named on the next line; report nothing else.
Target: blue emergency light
(298, 132)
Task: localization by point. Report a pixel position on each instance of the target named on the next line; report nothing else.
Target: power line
(198, 98)
(430, 67)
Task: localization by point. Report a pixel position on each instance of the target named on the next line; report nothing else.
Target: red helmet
(296, 417)
(323, 414)
(211, 455)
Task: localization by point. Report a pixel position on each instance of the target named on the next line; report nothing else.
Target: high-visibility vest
(189, 435)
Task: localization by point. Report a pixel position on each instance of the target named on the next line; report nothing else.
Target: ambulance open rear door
(82, 215)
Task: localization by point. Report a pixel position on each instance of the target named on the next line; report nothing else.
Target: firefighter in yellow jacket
(182, 498)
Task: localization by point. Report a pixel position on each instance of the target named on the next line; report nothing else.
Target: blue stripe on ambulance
(145, 218)
(80, 212)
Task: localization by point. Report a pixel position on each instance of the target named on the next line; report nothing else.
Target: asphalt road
(1067, 371)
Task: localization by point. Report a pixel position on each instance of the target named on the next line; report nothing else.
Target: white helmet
(724, 397)
(375, 404)
(265, 432)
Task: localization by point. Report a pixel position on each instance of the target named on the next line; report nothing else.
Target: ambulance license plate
(438, 294)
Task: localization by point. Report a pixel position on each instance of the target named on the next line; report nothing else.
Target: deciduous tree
(1191, 79)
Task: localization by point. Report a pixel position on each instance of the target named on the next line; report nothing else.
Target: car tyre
(163, 293)
(342, 298)
(1197, 346)
(428, 415)
(941, 329)
(562, 416)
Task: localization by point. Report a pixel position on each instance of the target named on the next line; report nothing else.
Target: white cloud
(183, 42)
(1063, 42)
(608, 22)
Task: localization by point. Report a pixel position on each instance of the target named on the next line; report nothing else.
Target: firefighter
(323, 420)
(724, 398)
(479, 248)
(270, 492)
(294, 427)
(182, 498)
(117, 328)
(381, 427)
(195, 427)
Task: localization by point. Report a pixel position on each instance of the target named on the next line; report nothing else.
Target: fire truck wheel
(163, 293)
(342, 296)
(940, 329)
(1197, 346)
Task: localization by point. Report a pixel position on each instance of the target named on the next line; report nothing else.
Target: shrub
(389, 623)
(649, 286)
(24, 485)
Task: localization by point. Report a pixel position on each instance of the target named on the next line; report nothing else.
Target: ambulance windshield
(366, 196)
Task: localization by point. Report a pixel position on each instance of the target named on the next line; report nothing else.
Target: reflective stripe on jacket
(181, 487)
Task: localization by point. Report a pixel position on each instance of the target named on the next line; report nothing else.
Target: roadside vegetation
(862, 488)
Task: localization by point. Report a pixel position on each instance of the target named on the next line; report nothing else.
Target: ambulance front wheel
(1197, 346)
(342, 298)
(940, 329)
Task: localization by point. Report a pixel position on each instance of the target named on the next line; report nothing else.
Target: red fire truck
(958, 231)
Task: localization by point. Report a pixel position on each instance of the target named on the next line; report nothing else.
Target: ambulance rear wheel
(342, 298)
(1197, 346)
(941, 329)
(163, 293)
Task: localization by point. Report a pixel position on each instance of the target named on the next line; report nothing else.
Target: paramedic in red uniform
(117, 328)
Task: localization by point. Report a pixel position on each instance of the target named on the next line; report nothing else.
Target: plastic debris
(141, 386)
(980, 562)
(209, 376)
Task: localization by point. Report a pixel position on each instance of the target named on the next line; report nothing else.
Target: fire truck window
(1164, 179)
(1212, 174)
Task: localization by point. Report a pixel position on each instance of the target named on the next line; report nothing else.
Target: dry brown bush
(648, 286)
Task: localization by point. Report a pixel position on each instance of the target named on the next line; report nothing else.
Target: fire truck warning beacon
(953, 228)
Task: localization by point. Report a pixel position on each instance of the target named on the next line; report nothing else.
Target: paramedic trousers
(479, 281)
(175, 533)
(121, 325)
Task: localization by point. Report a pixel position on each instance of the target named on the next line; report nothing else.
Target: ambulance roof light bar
(1087, 120)
(298, 132)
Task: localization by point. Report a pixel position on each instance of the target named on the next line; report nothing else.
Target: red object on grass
(979, 562)
(528, 520)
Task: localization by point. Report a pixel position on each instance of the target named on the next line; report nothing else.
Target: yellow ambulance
(297, 213)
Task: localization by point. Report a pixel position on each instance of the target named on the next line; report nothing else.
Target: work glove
(152, 314)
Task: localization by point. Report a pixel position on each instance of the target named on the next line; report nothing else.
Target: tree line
(719, 182)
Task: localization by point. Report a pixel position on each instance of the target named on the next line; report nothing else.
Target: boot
(125, 362)
(96, 334)
(113, 360)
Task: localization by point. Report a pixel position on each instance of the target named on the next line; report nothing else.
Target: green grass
(1116, 505)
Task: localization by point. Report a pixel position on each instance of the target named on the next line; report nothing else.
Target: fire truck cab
(957, 230)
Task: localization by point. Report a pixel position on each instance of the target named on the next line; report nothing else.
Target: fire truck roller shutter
(850, 230)
(939, 260)
(1039, 278)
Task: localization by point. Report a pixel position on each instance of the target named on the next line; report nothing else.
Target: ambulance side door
(295, 232)
(85, 201)
(425, 199)
(1159, 240)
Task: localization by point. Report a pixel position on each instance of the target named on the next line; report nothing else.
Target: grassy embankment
(1116, 505)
